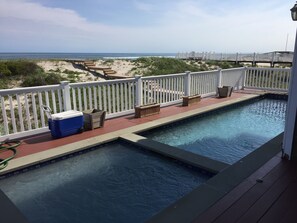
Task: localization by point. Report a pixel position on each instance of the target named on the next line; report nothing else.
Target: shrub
(4, 71)
(161, 66)
(108, 62)
(71, 72)
(22, 68)
(4, 83)
(39, 79)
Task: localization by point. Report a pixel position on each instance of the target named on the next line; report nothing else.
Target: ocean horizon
(15, 56)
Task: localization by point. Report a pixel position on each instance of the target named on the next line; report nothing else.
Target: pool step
(190, 158)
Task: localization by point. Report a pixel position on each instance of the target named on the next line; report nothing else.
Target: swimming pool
(226, 135)
(115, 183)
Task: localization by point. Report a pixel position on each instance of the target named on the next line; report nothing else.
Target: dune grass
(27, 72)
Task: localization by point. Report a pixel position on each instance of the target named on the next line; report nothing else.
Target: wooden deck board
(239, 208)
(273, 200)
(265, 202)
(218, 208)
(281, 209)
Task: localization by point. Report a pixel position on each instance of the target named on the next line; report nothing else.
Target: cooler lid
(66, 114)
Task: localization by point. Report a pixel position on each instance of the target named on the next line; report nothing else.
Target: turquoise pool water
(115, 183)
(227, 135)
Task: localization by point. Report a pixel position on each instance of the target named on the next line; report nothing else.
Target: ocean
(15, 56)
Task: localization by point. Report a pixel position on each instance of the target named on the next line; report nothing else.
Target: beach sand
(122, 67)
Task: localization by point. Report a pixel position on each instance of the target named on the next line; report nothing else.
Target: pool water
(226, 135)
(115, 183)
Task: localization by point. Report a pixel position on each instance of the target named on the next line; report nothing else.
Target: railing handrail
(234, 69)
(205, 72)
(95, 83)
(269, 68)
(162, 76)
(23, 90)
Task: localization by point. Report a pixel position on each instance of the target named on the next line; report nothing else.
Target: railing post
(243, 77)
(138, 91)
(66, 95)
(254, 60)
(187, 83)
(219, 83)
(272, 59)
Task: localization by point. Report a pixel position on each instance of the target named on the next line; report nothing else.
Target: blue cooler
(66, 123)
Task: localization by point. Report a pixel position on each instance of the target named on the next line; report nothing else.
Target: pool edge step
(190, 158)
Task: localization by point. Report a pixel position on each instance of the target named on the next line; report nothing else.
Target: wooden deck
(268, 195)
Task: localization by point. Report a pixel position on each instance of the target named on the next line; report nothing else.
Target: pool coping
(44, 156)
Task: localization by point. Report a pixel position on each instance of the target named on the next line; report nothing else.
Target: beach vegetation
(71, 72)
(22, 67)
(27, 73)
(4, 71)
(162, 66)
(108, 62)
(41, 78)
(223, 64)
(149, 66)
(57, 70)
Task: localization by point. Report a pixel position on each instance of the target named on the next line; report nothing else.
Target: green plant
(39, 79)
(4, 83)
(71, 72)
(161, 66)
(4, 71)
(22, 67)
(108, 61)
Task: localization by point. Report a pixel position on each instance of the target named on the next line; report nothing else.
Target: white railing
(21, 115)
(116, 97)
(205, 83)
(165, 89)
(272, 57)
(233, 77)
(267, 79)
(20, 107)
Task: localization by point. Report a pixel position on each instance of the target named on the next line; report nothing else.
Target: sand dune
(122, 67)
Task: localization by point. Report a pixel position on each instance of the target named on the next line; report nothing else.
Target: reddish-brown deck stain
(42, 142)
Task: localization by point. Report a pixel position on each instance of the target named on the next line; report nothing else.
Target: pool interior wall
(116, 183)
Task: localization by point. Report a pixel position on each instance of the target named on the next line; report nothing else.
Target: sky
(146, 26)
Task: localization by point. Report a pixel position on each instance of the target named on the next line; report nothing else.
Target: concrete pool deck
(193, 206)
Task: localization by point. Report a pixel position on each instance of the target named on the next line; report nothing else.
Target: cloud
(31, 26)
(229, 29)
(143, 6)
(36, 12)
(179, 26)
